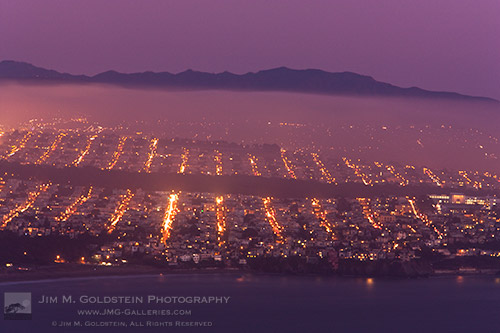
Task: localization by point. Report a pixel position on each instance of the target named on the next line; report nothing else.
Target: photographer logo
(17, 306)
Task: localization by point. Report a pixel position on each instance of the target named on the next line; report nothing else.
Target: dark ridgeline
(277, 79)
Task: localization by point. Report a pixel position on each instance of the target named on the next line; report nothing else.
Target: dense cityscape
(457, 218)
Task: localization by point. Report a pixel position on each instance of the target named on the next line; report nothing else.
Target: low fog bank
(109, 103)
(339, 124)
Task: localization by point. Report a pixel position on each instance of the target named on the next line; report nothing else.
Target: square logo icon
(17, 306)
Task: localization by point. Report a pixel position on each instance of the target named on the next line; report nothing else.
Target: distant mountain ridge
(277, 79)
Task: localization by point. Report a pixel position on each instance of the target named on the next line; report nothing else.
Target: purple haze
(438, 45)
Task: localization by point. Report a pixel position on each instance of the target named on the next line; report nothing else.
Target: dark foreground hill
(235, 184)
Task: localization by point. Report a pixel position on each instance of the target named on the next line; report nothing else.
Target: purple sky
(439, 45)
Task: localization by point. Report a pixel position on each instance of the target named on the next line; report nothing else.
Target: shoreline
(53, 273)
(47, 273)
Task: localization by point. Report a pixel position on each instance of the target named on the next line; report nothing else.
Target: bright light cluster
(271, 218)
(21, 145)
(288, 164)
(117, 153)
(168, 217)
(120, 210)
(71, 209)
(51, 149)
(218, 163)
(357, 171)
(184, 160)
(85, 151)
(253, 164)
(152, 153)
(322, 168)
(221, 218)
(32, 196)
